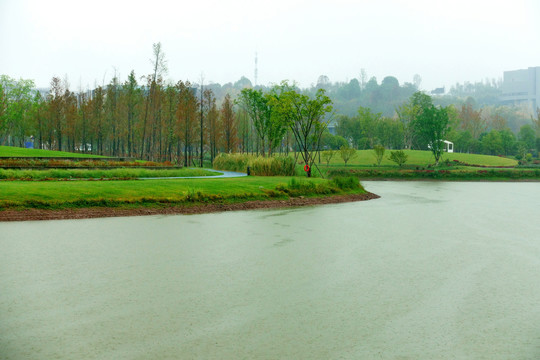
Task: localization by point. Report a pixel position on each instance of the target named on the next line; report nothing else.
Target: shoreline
(103, 212)
(486, 180)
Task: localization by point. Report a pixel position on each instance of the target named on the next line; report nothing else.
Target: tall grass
(300, 187)
(261, 166)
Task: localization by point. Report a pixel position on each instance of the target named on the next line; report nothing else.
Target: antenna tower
(256, 70)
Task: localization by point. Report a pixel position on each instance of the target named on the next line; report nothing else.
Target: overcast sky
(443, 41)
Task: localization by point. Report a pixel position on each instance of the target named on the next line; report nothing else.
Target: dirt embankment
(87, 213)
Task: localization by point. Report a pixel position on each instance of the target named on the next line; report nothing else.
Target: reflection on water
(432, 270)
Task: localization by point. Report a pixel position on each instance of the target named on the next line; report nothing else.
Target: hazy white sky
(444, 41)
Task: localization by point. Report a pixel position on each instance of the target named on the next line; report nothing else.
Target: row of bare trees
(154, 120)
(146, 118)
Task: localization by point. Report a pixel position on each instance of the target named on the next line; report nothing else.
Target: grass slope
(59, 194)
(421, 158)
(22, 152)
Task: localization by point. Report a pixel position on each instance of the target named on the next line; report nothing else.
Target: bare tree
(472, 120)
(158, 61)
(229, 124)
(159, 65)
(186, 122)
(56, 112)
(202, 115)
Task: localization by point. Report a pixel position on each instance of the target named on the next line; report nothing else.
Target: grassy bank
(419, 165)
(137, 193)
(482, 174)
(82, 163)
(119, 173)
(421, 158)
(6, 151)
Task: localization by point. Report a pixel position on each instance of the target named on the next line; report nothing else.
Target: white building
(522, 87)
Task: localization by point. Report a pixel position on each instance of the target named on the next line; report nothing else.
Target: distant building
(332, 127)
(438, 91)
(522, 87)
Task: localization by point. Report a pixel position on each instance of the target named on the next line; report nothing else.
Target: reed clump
(258, 165)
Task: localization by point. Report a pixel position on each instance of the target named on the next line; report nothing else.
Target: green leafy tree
(389, 132)
(350, 91)
(369, 121)
(350, 129)
(528, 136)
(378, 152)
(15, 110)
(508, 140)
(492, 143)
(347, 153)
(406, 114)
(334, 142)
(305, 116)
(339, 141)
(328, 155)
(464, 142)
(3, 103)
(521, 150)
(399, 157)
(430, 124)
(257, 106)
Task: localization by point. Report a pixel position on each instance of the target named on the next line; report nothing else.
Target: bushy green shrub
(346, 182)
(305, 187)
(378, 152)
(399, 157)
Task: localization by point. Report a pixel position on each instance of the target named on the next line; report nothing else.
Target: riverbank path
(223, 174)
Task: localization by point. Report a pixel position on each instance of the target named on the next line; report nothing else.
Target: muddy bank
(87, 213)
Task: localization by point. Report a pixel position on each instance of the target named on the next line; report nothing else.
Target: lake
(431, 270)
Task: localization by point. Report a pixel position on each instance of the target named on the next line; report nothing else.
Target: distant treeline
(149, 118)
(471, 131)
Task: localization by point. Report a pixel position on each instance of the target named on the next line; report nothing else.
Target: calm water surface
(432, 270)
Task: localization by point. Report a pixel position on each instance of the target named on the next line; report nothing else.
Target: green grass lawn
(418, 167)
(22, 152)
(420, 158)
(14, 193)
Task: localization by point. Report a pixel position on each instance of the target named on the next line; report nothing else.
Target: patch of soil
(87, 213)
